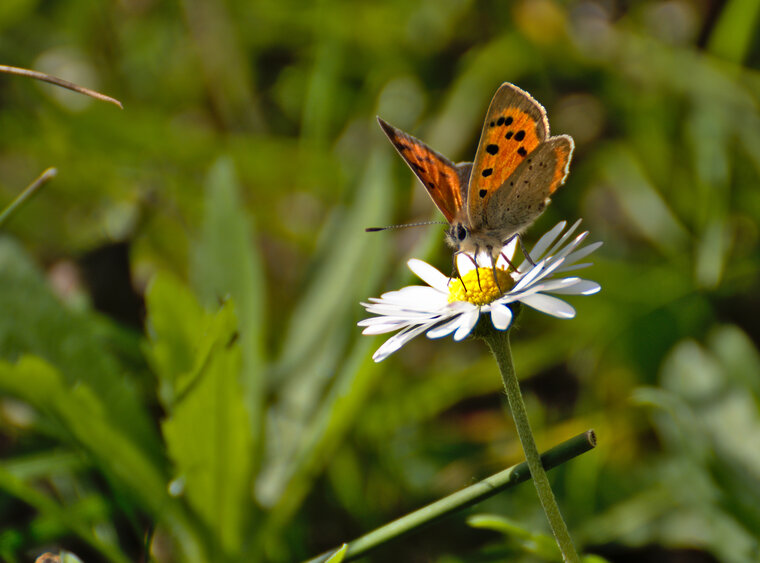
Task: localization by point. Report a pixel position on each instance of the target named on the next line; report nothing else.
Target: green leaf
(61, 515)
(68, 557)
(228, 264)
(316, 341)
(542, 545)
(82, 419)
(209, 439)
(538, 544)
(644, 206)
(350, 261)
(339, 555)
(735, 30)
(80, 345)
(175, 328)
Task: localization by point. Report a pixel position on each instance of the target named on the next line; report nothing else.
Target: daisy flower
(453, 305)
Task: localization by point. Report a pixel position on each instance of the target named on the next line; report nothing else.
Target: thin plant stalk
(461, 499)
(28, 192)
(59, 82)
(498, 341)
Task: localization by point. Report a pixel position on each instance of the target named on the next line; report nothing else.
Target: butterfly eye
(461, 232)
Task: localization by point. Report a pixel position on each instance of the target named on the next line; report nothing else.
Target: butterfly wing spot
(515, 126)
(482, 193)
(501, 151)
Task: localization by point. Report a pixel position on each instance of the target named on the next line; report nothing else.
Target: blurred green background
(182, 378)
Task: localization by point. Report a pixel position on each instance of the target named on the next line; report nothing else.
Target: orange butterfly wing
(515, 126)
(523, 197)
(563, 152)
(444, 181)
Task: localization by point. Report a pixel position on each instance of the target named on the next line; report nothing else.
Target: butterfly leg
(493, 268)
(477, 268)
(524, 251)
(455, 270)
(508, 261)
(518, 236)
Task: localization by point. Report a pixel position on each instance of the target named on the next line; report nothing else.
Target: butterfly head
(457, 235)
(463, 239)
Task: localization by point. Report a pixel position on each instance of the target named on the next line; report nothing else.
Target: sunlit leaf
(209, 439)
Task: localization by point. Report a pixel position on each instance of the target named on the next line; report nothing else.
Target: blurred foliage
(181, 377)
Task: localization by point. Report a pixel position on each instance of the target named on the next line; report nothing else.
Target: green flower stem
(30, 190)
(498, 341)
(462, 499)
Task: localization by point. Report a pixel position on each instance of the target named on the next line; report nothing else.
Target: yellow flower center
(480, 286)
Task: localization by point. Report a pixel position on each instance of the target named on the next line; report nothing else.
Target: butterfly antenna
(422, 224)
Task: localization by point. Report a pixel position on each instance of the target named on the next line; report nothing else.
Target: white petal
(415, 298)
(508, 252)
(530, 277)
(566, 268)
(560, 244)
(554, 286)
(581, 287)
(549, 305)
(465, 263)
(484, 259)
(469, 319)
(563, 239)
(382, 328)
(429, 274)
(395, 342)
(583, 252)
(570, 247)
(371, 321)
(501, 316)
(545, 241)
(392, 311)
(551, 266)
(446, 328)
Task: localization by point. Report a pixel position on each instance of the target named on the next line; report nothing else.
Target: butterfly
(517, 167)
